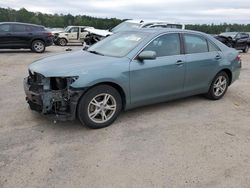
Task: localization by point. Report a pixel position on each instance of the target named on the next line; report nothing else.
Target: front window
(5, 28)
(118, 45)
(71, 29)
(125, 26)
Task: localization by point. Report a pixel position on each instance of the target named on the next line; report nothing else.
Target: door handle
(218, 57)
(179, 62)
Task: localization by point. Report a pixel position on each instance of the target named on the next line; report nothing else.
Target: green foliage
(60, 20)
(55, 20)
(216, 29)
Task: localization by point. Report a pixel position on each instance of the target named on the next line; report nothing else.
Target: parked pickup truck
(237, 40)
(72, 34)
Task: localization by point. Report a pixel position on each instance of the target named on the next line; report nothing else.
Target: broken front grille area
(36, 81)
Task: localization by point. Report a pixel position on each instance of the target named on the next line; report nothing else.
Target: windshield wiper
(95, 52)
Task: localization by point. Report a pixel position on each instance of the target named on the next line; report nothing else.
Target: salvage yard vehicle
(15, 35)
(127, 70)
(72, 34)
(237, 40)
(96, 35)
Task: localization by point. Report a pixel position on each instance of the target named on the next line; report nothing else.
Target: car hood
(99, 32)
(71, 64)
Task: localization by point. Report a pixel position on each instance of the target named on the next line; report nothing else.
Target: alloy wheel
(220, 86)
(39, 46)
(102, 108)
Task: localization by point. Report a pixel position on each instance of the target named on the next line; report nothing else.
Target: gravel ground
(192, 142)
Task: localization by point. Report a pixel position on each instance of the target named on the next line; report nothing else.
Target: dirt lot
(191, 142)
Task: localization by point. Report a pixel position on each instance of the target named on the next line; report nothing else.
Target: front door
(155, 80)
(73, 35)
(6, 38)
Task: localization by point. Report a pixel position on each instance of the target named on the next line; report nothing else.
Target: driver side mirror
(147, 55)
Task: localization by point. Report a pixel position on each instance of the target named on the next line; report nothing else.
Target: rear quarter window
(31, 28)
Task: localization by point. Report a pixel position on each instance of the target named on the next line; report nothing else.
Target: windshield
(67, 29)
(117, 45)
(229, 34)
(125, 26)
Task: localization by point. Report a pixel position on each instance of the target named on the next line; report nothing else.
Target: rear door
(202, 60)
(241, 41)
(83, 33)
(21, 37)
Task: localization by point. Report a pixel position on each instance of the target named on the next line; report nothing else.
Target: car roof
(165, 30)
(142, 21)
(21, 24)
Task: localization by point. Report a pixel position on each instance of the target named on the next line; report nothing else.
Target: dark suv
(15, 35)
(237, 40)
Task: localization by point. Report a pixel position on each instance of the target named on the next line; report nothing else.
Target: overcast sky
(187, 11)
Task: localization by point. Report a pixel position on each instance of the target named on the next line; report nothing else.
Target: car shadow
(15, 51)
(76, 126)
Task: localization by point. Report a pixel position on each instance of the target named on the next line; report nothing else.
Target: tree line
(61, 20)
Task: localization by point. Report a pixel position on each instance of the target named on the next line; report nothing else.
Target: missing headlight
(58, 83)
(61, 83)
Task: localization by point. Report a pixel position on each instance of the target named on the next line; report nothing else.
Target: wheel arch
(229, 73)
(63, 38)
(35, 40)
(114, 85)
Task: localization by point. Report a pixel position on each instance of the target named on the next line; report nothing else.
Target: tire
(246, 49)
(93, 106)
(38, 46)
(217, 90)
(62, 42)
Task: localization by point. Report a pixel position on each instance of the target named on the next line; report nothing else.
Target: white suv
(97, 34)
(72, 34)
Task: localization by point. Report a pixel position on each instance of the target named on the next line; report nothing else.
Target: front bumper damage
(52, 96)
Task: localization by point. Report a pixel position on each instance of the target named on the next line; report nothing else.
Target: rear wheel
(38, 46)
(99, 107)
(246, 49)
(62, 42)
(218, 87)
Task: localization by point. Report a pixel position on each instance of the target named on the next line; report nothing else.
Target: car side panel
(201, 69)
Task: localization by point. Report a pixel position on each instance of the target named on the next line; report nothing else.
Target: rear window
(26, 28)
(30, 28)
(212, 47)
(19, 28)
(195, 44)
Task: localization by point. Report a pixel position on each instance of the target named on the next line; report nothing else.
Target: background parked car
(14, 35)
(72, 34)
(237, 40)
(96, 35)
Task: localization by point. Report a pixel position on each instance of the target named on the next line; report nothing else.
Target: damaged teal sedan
(127, 70)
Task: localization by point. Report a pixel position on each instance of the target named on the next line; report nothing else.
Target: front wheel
(38, 46)
(218, 87)
(99, 107)
(62, 42)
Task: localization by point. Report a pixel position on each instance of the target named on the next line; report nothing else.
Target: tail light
(49, 34)
(238, 58)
